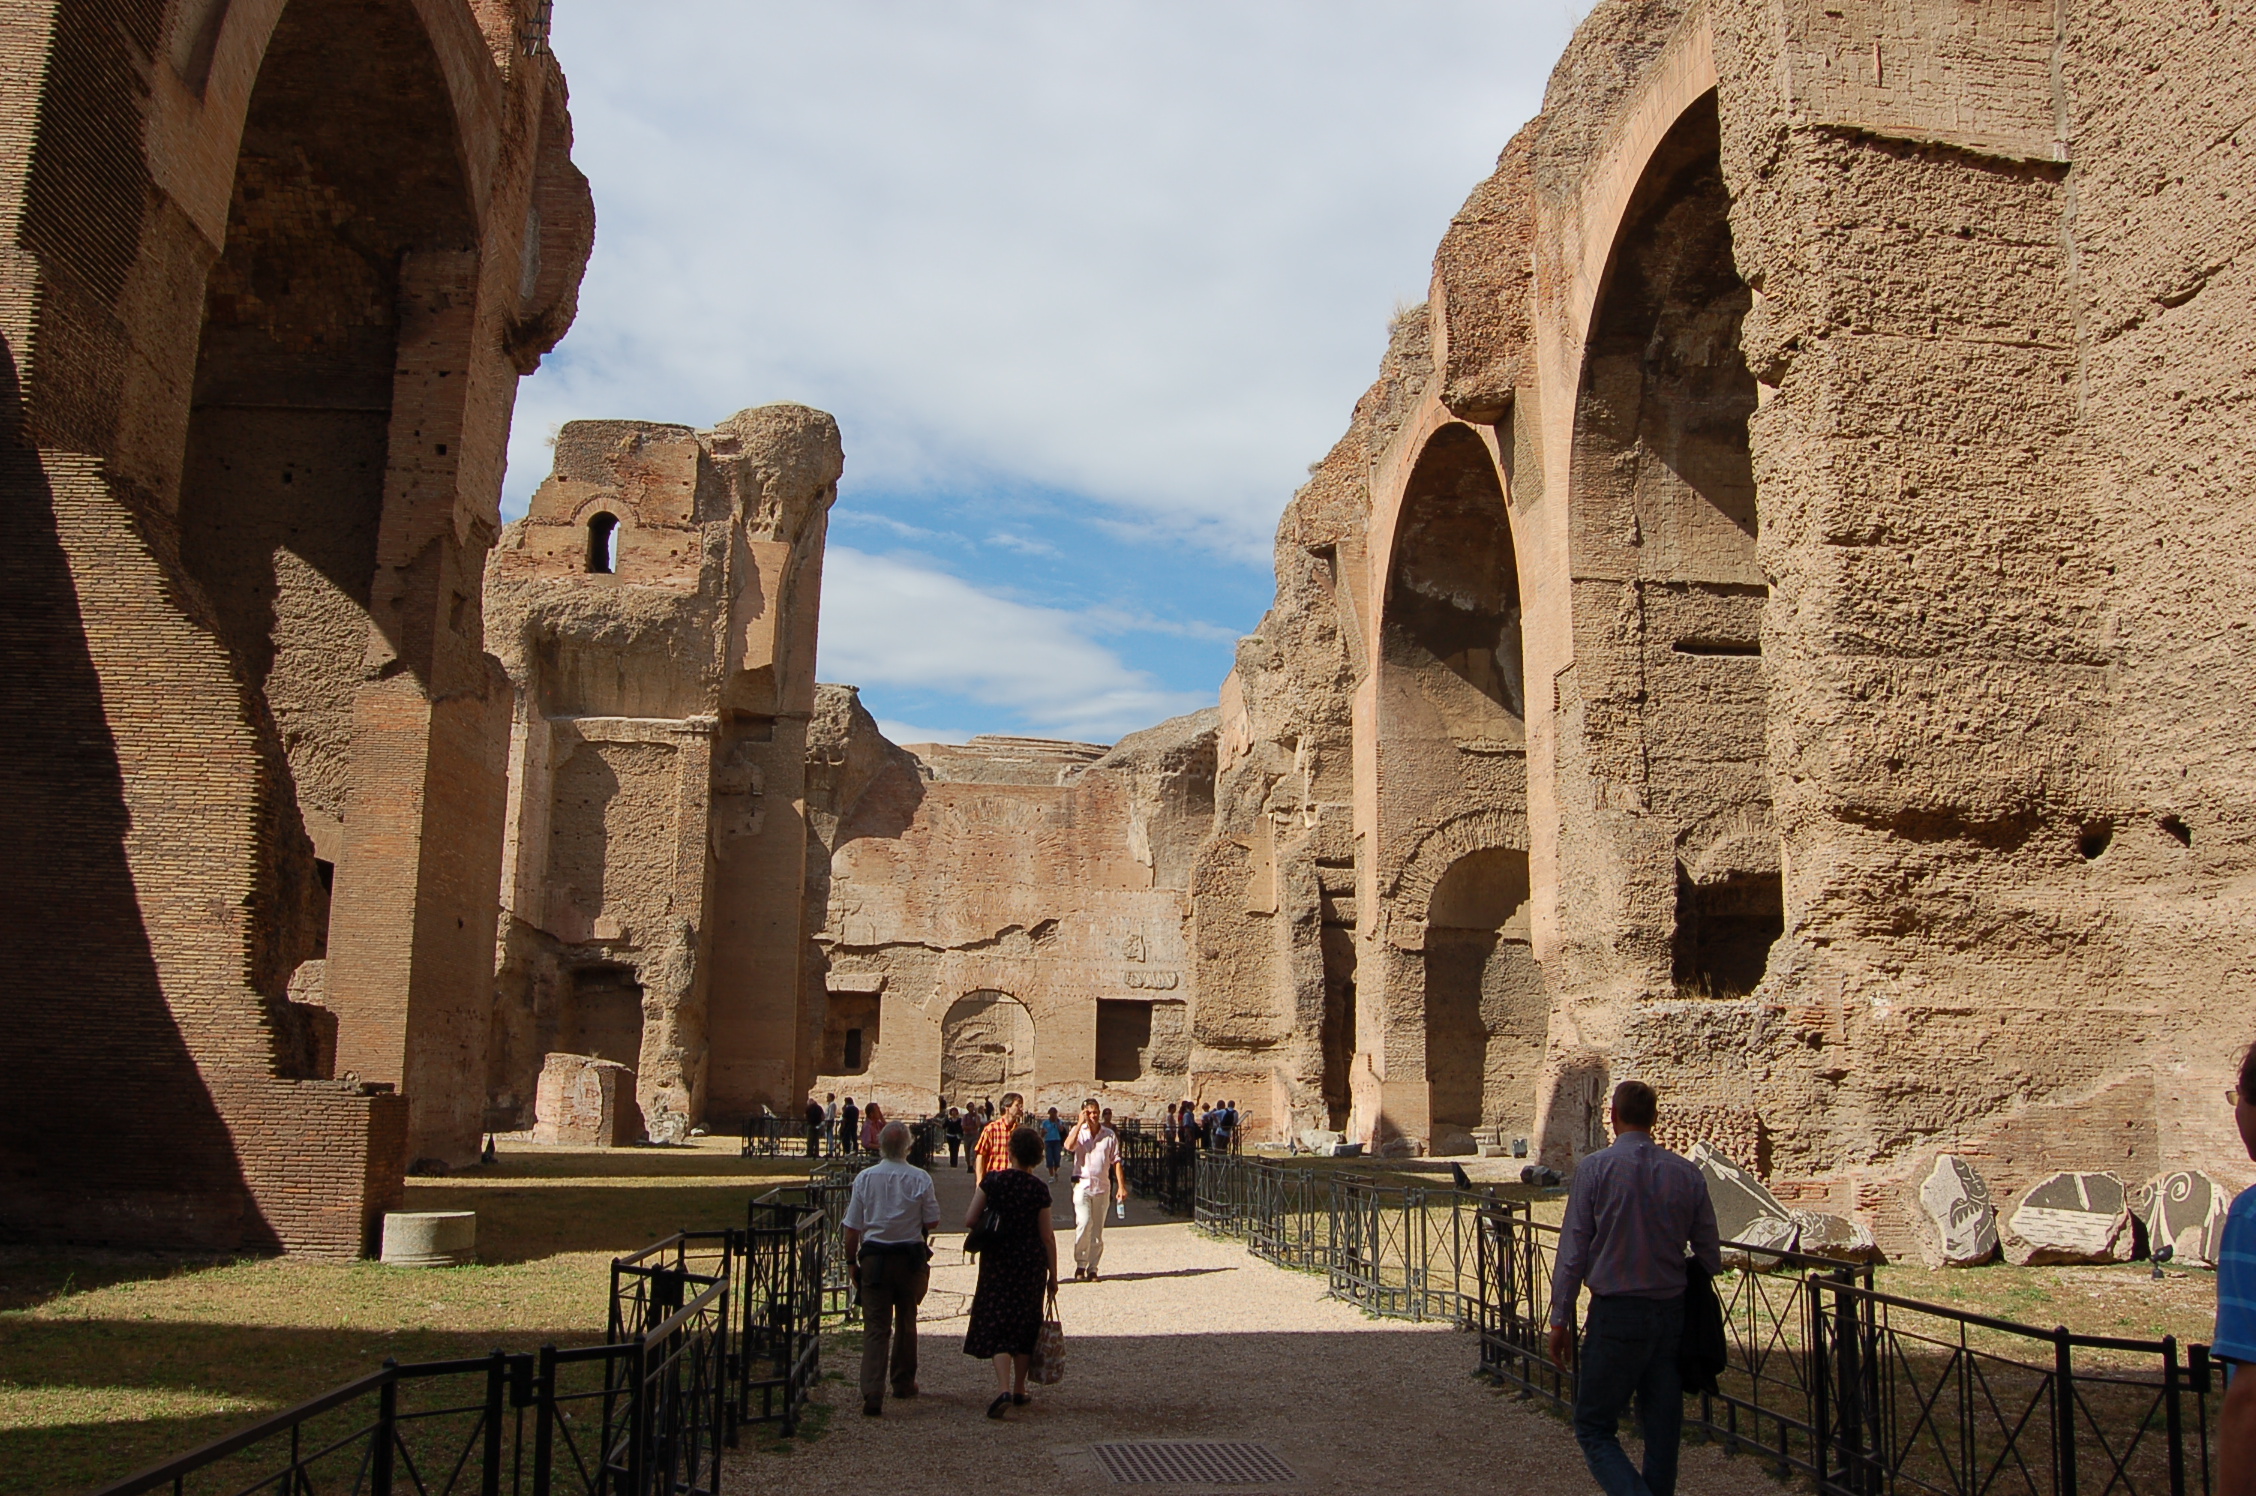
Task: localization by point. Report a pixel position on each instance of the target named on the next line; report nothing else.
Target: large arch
(1447, 749)
(1671, 591)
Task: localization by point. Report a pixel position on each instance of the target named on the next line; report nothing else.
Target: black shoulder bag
(982, 1236)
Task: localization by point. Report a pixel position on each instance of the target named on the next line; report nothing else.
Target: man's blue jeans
(1629, 1351)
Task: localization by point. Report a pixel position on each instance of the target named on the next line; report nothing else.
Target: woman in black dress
(1018, 1265)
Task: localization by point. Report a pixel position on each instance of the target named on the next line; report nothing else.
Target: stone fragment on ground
(2068, 1218)
(1746, 1211)
(2184, 1209)
(1823, 1235)
(1960, 1213)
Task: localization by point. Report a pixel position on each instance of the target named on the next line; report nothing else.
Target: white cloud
(1022, 544)
(897, 621)
(1108, 620)
(1139, 254)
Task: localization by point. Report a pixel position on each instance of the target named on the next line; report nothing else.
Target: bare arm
(1049, 1249)
(2236, 1434)
(978, 1209)
(1119, 1178)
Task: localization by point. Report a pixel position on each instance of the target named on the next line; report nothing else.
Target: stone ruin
(273, 272)
(1767, 630)
(655, 611)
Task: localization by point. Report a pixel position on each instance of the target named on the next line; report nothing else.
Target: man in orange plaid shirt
(993, 1151)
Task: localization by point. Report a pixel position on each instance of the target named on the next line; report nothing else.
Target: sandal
(1020, 1399)
(995, 1408)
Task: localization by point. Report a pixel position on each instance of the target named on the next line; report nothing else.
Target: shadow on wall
(89, 1020)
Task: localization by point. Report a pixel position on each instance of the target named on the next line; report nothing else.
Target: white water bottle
(1120, 1210)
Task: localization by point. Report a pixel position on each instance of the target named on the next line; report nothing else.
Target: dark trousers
(955, 1146)
(814, 1138)
(1629, 1353)
(893, 1284)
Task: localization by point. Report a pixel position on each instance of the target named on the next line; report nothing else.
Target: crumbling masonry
(273, 271)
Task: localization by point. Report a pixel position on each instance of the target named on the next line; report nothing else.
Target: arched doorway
(1665, 501)
(986, 1047)
(1485, 1005)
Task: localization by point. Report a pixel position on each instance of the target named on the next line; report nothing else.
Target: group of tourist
(1216, 1127)
(837, 1129)
(894, 1210)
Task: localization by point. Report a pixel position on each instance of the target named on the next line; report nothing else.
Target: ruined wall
(1008, 915)
(656, 611)
(1856, 383)
(274, 270)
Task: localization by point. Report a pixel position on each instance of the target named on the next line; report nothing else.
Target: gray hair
(893, 1140)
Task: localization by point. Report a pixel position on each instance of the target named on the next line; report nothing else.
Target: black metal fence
(645, 1415)
(705, 1331)
(1861, 1392)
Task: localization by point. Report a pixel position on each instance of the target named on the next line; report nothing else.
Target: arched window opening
(1453, 597)
(603, 544)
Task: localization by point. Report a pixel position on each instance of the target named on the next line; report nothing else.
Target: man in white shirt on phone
(1098, 1180)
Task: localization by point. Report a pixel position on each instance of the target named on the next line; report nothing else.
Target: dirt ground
(1189, 1338)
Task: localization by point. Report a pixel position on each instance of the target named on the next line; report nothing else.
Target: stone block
(430, 1238)
(1748, 1215)
(2184, 1210)
(1960, 1213)
(2070, 1217)
(585, 1102)
(1823, 1235)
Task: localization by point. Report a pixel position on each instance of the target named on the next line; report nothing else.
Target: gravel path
(1192, 1338)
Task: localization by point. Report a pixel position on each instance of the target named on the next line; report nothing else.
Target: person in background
(991, 1107)
(1021, 1260)
(889, 1216)
(830, 1120)
(1167, 1126)
(952, 1129)
(1097, 1181)
(1634, 1209)
(1225, 1125)
(814, 1126)
(2235, 1340)
(1053, 1142)
(849, 1127)
(1209, 1120)
(993, 1151)
(873, 1119)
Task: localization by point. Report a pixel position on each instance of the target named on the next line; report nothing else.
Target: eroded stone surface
(1961, 1218)
(2184, 1209)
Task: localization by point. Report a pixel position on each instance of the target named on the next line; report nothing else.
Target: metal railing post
(544, 1419)
(2173, 1416)
(2064, 1405)
(490, 1475)
(387, 1423)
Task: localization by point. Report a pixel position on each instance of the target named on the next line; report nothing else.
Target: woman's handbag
(1048, 1364)
(982, 1236)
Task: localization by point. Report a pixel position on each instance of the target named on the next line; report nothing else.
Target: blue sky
(1088, 286)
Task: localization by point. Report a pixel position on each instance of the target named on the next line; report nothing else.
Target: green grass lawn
(110, 1362)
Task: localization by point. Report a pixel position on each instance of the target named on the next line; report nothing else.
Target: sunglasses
(2232, 1097)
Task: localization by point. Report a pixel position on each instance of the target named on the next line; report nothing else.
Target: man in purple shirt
(1635, 1208)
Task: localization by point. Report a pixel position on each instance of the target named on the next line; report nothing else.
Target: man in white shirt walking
(891, 1212)
(1098, 1180)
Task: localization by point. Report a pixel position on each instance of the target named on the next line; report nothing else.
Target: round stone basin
(430, 1238)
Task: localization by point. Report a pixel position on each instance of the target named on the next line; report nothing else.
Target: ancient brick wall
(246, 461)
(1856, 385)
(1011, 915)
(656, 611)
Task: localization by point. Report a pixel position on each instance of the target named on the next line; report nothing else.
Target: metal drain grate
(1170, 1464)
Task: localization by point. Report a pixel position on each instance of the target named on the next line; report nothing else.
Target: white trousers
(1090, 1202)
